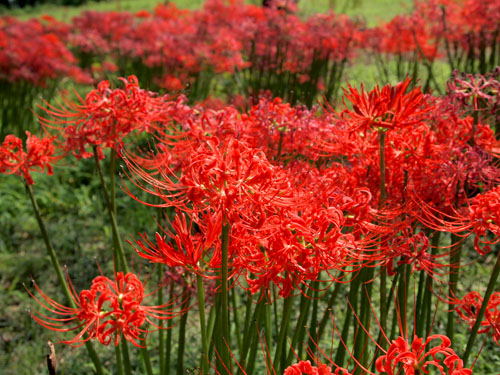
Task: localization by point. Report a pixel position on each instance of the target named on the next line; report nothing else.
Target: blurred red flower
(39, 155)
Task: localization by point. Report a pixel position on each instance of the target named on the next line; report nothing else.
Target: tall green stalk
(161, 336)
(119, 245)
(305, 303)
(112, 217)
(168, 346)
(287, 310)
(250, 336)
(204, 343)
(182, 335)
(383, 198)
(127, 367)
(327, 311)
(223, 322)
(402, 301)
(351, 298)
(452, 286)
(313, 323)
(59, 273)
(428, 289)
(480, 315)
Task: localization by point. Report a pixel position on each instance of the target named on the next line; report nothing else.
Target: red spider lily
(468, 307)
(479, 88)
(419, 356)
(227, 177)
(39, 155)
(104, 312)
(404, 35)
(479, 218)
(105, 117)
(470, 24)
(305, 367)
(188, 249)
(414, 249)
(408, 356)
(389, 108)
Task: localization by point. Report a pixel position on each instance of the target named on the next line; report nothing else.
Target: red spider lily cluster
(104, 117)
(222, 167)
(270, 200)
(417, 357)
(222, 37)
(35, 51)
(467, 26)
(267, 48)
(108, 310)
(40, 154)
(305, 367)
(284, 198)
(468, 308)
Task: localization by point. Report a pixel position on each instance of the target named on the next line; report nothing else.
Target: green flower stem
(480, 315)
(127, 367)
(146, 361)
(287, 310)
(305, 303)
(381, 339)
(327, 312)
(250, 341)
(223, 323)
(159, 302)
(118, 243)
(248, 316)
(313, 323)
(275, 307)
(112, 217)
(50, 248)
(383, 192)
(254, 343)
(112, 185)
(362, 338)
(428, 289)
(112, 199)
(452, 285)
(383, 198)
(182, 335)
(62, 281)
(119, 366)
(403, 294)
(351, 297)
(112, 168)
(420, 308)
(236, 318)
(168, 346)
(268, 333)
(213, 333)
(204, 343)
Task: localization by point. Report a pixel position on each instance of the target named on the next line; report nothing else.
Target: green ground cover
(373, 11)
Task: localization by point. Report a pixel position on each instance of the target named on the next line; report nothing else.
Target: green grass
(65, 13)
(373, 11)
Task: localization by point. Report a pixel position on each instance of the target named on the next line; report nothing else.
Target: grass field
(374, 11)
